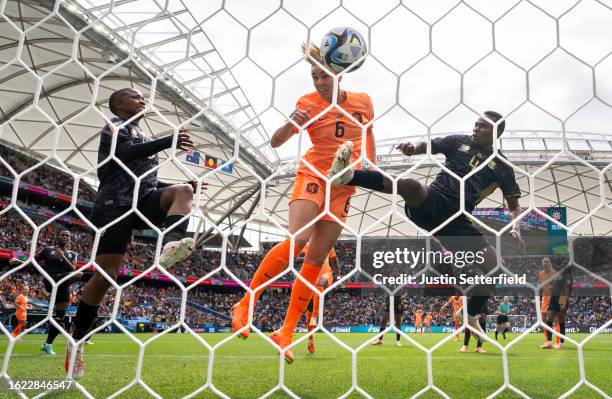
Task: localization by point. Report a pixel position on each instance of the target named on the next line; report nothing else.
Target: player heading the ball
(327, 132)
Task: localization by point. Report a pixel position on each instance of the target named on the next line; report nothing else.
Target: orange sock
(557, 329)
(315, 302)
(275, 261)
(300, 296)
(17, 329)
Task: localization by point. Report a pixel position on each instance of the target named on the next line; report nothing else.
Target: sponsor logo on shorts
(312, 188)
(301, 298)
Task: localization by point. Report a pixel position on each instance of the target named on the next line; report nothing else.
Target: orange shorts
(544, 305)
(21, 317)
(427, 324)
(326, 273)
(418, 324)
(312, 188)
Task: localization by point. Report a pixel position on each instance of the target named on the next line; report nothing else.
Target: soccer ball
(341, 47)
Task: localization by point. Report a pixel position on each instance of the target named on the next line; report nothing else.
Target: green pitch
(175, 365)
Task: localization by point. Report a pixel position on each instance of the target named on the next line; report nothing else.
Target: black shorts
(502, 318)
(459, 235)
(117, 237)
(557, 303)
(63, 290)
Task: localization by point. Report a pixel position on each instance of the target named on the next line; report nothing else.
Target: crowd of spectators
(16, 233)
(161, 305)
(46, 176)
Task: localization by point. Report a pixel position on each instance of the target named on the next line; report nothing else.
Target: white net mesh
(231, 73)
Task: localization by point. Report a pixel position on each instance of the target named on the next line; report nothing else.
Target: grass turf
(175, 365)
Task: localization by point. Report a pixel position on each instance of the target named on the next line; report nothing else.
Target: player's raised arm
(284, 133)
(128, 150)
(445, 305)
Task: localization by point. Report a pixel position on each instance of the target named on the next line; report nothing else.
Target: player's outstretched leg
(275, 261)
(411, 190)
(324, 235)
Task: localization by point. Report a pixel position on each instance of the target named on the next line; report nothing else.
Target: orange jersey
(418, 316)
(333, 128)
(457, 303)
(546, 287)
(428, 318)
(22, 307)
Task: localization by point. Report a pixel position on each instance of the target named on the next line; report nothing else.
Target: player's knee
(322, 282)
(182, 192)
(102, 281)
(301, 242)
(407, 185)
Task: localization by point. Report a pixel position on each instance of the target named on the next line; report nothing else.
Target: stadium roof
(85, 40)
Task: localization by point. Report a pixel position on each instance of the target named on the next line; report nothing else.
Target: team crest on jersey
(312, 188)
(357, 115)
(464, 148)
